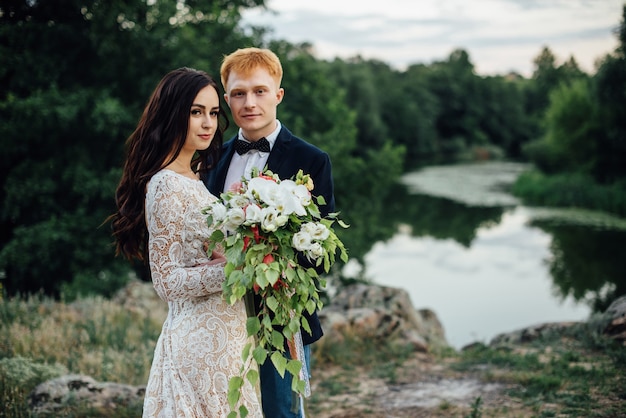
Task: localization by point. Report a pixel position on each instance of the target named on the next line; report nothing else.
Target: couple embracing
(176, 165)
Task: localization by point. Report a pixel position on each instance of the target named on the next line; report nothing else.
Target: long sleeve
(177, 230)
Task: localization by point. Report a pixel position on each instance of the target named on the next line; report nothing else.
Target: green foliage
(585, 119)
(72, 96)
(25, 373)
(571, 190)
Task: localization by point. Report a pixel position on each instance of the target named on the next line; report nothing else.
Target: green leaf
(280, 363)
(272, 276)
(253, 325)
(290, 274)
(245, 353)
(294, 367)
(272, 303)
(259, 354)
(252, 376)
(298, 385)
(243, 411)
(277, 339)
(217, 236)
(234, 386)
(310, 306)
(305, 325)
(261, 280)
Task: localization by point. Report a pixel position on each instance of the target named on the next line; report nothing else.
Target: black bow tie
(242, 146)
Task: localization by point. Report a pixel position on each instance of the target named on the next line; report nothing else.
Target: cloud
(499, 35)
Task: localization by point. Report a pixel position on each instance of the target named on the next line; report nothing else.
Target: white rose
(315, 251)
(269, 219)
(301, 241)
(234, 218)
(238, 201)
(320, 232)
(281, 220)
(218, 211)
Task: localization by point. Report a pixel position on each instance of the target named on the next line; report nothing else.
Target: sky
(500, 36)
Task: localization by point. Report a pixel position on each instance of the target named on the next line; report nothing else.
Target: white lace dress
(200, 345)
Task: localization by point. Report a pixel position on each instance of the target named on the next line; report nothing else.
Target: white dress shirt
(242, 165)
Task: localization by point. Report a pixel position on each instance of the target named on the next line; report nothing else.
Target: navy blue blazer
(289, 154)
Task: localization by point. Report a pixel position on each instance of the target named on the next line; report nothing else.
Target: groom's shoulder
(298, 144)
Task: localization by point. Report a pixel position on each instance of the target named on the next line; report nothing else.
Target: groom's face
(253, 98)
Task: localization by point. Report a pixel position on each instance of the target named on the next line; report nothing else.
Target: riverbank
(571, 371)
(568, 369)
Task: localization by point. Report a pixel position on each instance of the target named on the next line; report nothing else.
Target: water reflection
(496, 267)
(587, 263)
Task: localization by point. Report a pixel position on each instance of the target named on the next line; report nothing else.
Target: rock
(529, 334)
(52, 396)
(616, 315)
(382, 313)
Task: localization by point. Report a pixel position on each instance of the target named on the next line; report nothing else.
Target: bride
(159, 201)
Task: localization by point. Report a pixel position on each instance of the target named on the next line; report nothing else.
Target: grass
(41, 339)
(576, 372)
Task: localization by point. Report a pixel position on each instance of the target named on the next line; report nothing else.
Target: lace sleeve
(168, 208)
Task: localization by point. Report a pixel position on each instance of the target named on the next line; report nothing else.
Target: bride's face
(203, 121)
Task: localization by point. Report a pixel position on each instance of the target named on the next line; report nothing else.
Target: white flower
(235, 217)
(269, 219)
(238, 201)
(293, 198)
(320, 232)
(253, 214)
(315, 251)
(281, 219)
(263, 189)
(301, 240)
(218, 211)
(302, 194)
(317, 230)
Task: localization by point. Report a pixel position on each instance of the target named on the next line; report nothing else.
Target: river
(485, 264)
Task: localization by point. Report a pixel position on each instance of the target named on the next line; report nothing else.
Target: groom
(251, 78)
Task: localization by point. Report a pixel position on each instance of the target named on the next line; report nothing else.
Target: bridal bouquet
(272, 234)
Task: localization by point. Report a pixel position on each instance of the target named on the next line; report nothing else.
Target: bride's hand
(217, 257)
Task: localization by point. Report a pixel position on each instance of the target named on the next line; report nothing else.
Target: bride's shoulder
(162, 178)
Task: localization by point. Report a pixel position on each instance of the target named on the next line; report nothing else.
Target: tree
(610, 93)
(73, 80)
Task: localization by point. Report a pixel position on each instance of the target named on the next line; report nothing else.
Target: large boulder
(53, 396)
(616, 317)
(383, 313)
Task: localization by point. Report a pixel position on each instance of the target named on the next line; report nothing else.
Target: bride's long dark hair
(155, 143)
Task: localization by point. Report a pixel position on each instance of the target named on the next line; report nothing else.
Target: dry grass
(101, 338)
